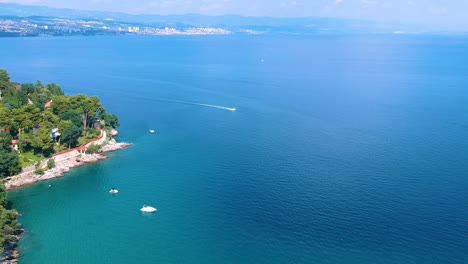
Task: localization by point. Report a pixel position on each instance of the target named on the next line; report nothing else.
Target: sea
(343, 150)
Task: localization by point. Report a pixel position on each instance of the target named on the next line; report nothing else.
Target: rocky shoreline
(10, 254)
(63, 166)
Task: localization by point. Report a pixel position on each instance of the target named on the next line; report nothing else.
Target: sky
(432, 12)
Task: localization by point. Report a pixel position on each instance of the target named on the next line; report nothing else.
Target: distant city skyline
(448, 14)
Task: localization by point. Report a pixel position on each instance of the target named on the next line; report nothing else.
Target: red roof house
(48, 104)
(14, 144)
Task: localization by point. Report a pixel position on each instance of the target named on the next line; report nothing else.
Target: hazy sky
(446, 12)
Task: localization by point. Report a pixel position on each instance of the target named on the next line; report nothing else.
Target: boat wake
(217, 106)
(200, 104)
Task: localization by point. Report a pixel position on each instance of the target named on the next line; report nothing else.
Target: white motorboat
(113, 190)
(148, 209)
(151, 131)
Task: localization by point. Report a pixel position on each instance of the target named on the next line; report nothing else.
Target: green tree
(28, 87)
(111, 120)
(64, 125)
(50, 163)
(9, 163)
(44, 96)
(70, 136)
(5, 117)
(41, 141)
(4, 76)
(93, 148)
(21, 97)
(25, 117)
(6, 88)
(48, 118)
(5, 141)
(73, 116)
(61, 104)
(8, 226)
(38, 86)
(54, 89)
(87, 106)
(3, 199)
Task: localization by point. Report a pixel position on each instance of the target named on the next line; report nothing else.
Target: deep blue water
(344, 150)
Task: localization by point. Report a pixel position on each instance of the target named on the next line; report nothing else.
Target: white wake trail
(217, 106)
(200, 104)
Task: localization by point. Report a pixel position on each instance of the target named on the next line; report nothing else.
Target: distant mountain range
(229, 23)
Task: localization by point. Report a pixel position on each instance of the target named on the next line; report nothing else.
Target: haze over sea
(343, 150)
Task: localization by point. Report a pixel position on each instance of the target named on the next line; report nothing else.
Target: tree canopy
(29, 113)
(34, 119)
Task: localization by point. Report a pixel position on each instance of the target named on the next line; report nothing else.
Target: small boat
(151, 131)
(113, 190)
(148, 209)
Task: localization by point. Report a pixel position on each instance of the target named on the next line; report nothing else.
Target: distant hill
(235, 23)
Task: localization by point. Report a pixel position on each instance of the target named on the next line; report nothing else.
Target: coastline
(62, 165)
(10, 254)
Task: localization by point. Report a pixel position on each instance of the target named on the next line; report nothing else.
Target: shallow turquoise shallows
(343, 150)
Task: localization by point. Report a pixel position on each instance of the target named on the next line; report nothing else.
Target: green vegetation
(50, 163)
(39, 171)
(9, 163)
(8, 224)
(93, 148)
(28, 159)
(38, 120)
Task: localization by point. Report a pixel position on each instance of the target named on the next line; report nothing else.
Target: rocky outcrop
(112, 145)
(62, 166)
(114, 132)
(10, 253)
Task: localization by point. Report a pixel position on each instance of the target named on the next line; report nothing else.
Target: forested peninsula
(37, 124)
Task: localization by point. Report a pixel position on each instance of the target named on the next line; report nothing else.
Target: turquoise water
(344, 150)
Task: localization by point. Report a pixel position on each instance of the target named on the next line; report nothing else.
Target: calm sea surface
(344, 150)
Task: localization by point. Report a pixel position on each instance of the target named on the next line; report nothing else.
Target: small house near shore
(48, 104)
(99, 123)
(14, 144)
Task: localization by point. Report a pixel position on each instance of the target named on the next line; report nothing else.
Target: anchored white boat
(148, 209)
(151, 131)
(113, 190)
